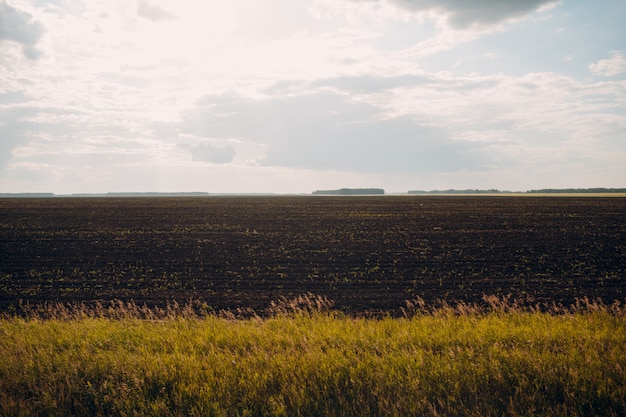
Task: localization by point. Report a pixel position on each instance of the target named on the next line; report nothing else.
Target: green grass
(317, 364)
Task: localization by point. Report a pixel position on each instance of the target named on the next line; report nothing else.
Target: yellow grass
(305, 361)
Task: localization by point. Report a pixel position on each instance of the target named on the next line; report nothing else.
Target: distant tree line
(578, 190)
(453, 191)
(541, 191)
(129, 194)
(25, 195)
(352, 191)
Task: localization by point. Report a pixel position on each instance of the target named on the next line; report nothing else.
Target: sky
(293, 96)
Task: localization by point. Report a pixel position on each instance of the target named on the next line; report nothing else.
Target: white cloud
(20, 27)
(205, 151)
(153, 12)
(324, 130)
(610, 67)
(462, 14)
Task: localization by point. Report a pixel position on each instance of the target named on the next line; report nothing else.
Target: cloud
(18, 26)
(11, 135)
(371, 84)
(15, 129)
(153, 12)
(329, 131)
(206, 152)
(382, 84)
(609, 67)
(462, 14)
(12, 97)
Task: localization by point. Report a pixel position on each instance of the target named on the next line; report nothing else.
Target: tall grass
(301, 359)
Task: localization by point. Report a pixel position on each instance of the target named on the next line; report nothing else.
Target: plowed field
(367, 254)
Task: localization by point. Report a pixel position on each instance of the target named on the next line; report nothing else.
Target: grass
(304, 360)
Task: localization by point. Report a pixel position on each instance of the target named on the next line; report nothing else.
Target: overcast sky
(292, 96)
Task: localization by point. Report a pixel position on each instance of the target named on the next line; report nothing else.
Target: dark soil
(367, 254)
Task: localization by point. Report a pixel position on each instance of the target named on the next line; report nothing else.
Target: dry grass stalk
(307, 304)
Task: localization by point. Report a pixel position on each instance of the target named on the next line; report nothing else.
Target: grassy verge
(441, 362)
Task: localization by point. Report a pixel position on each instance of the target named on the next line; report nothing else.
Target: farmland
(366, 254)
